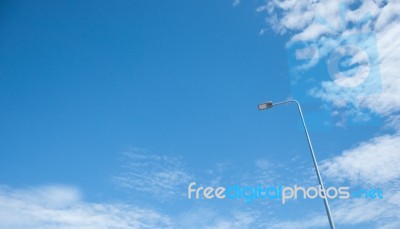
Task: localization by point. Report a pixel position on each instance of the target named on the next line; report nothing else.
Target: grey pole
(268, 105)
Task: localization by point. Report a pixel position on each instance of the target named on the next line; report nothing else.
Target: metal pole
(327, 208)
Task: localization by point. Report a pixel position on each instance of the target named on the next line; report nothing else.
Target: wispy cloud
(209, 218)
(311, 222)
(61, 207)
(163, 177)
(372, 162)
(323, 24)
(348, 213)
(236, 2)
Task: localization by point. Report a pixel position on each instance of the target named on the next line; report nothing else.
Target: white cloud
(376, 214)
(369, 165)
(373, 162)
(208, 218)
(310, 222)
(236, 2)
(61, 207)
(51, 195)
(388, 101)
(322, 22)
(382, 213)
(161, 176)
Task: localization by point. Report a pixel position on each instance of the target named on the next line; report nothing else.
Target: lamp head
(265, 105)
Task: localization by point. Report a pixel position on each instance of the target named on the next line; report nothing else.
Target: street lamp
(268, 105)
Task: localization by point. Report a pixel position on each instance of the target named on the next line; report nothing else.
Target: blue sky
(109, 110)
